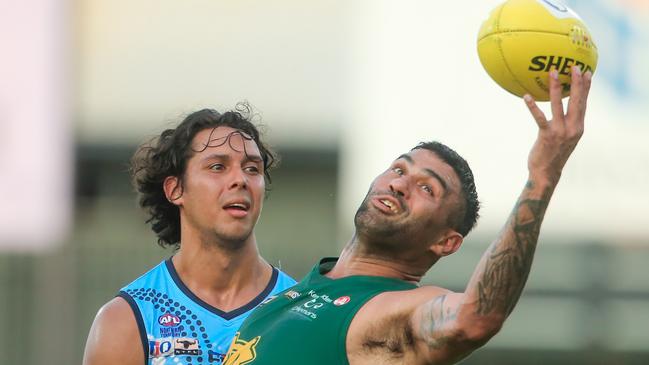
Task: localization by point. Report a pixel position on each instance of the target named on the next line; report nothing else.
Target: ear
(173, 189)
(447, 244)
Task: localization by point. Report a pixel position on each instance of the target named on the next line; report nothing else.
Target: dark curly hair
(464, 219)
(167, 155)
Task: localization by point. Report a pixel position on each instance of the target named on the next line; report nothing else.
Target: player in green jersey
(367, 307)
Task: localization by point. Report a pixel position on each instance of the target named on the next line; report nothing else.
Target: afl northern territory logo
(241, 351)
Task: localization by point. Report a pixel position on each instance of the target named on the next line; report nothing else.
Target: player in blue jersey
(203, 185)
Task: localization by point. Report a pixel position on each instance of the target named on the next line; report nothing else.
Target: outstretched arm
(467, 320)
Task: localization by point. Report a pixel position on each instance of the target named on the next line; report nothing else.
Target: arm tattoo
(436, 316)
(510, 257)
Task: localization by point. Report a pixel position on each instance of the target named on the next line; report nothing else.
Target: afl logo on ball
(342, 301)
(168, 320)
(557, 5)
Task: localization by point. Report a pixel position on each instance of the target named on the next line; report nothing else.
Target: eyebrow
(248, 157)
(428, 171)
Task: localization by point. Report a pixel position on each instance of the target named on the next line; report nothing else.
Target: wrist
(541, 185)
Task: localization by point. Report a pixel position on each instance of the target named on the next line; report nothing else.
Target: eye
(398, 171)
(217, 167)
(427, 189)
(251, 170)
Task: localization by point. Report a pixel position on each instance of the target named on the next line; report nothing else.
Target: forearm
(498, 281)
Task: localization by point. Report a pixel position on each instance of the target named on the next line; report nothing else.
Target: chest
(316, 309)
(179, 331)
(301, 323)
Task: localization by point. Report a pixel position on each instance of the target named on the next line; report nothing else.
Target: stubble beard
(231, 236)
(377, 228)
(229, 241)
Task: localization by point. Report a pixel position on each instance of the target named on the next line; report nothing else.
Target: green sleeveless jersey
(307, 324)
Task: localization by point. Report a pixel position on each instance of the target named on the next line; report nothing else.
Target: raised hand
(558, 137)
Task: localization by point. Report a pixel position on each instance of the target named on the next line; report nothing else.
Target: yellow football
(523, 40)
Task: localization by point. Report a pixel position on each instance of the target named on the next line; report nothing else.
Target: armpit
(391, 337)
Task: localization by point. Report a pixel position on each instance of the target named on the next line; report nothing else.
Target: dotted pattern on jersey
(191, 326)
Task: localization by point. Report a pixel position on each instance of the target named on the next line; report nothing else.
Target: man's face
(223, 186)
(410, 202)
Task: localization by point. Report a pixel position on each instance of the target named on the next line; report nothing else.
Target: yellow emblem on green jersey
(241, 352)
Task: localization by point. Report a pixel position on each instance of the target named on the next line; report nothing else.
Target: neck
(356, 259)
(224, 278)
(215, 268)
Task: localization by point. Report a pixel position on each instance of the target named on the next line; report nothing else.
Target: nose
(239, 180)
(400, 186)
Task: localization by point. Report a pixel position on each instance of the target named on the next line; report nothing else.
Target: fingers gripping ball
(523, 40)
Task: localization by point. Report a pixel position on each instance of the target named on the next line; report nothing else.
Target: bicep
(435, 321)
(114, 337)
(438, 326)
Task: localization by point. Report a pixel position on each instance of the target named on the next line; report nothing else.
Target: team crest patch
(241, 352)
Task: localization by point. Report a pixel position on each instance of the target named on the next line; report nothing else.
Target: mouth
(387, 205)
(237, 209)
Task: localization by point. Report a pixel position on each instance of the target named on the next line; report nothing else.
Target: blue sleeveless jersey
(178, 328)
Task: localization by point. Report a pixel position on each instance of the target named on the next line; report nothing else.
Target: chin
(375, 226)
(233, 240)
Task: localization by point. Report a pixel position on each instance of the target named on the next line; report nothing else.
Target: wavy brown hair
(167, 155)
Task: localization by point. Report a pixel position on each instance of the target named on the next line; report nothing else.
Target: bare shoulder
(382, 328)
(114, 336)
(399, 301)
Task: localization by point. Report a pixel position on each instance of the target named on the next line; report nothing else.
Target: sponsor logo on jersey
(292, 294)
(241, 352)
(161, 347)
(324, 297)
(186, 346)
(215, 357)
(169, 320)
(342, 300)
(304, 312)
